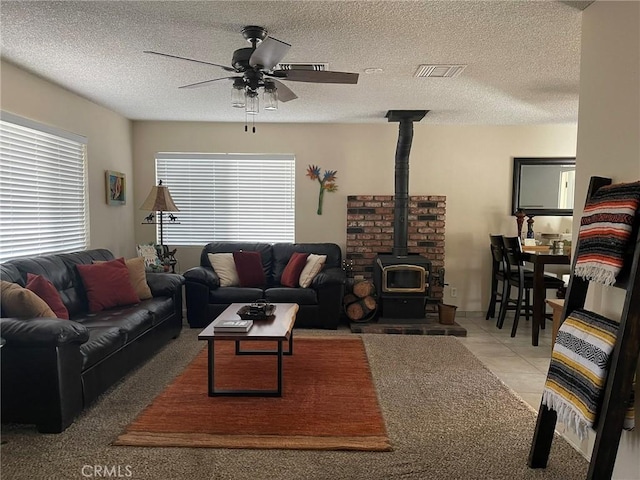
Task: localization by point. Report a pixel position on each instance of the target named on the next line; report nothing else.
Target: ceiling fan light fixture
(238, 95)
(238, 98)
(253, 103)
(264, 59)
(270, 96)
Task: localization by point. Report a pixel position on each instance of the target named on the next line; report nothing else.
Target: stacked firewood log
(359, 300)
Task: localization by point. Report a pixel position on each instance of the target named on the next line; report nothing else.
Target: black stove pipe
(401, 195)
(401, 203)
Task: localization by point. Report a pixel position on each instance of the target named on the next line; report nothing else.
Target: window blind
(42, 189)
(229, 197)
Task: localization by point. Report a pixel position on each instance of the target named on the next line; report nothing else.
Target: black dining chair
(497, 275)
(518, 277)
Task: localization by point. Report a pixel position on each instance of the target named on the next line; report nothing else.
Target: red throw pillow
(291, 273)
(47, 292)
(107, 284)
(249, 268)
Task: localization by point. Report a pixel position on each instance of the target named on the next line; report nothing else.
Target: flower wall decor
(327, 182)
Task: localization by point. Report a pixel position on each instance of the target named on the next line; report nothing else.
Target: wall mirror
(543, 186)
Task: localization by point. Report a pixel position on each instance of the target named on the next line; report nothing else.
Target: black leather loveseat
(53, 368)
(320, 303)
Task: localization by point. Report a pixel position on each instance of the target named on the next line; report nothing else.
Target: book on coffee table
(236, 326)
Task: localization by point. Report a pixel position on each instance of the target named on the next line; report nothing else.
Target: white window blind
(229, 197)
(42, 189)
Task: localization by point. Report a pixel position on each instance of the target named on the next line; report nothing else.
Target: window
(229, 197)
(42, 189)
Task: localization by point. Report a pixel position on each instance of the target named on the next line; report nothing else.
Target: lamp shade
(159, 200)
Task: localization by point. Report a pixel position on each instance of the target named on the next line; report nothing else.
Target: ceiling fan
(255, 68)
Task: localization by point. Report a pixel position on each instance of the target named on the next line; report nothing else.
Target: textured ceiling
(523, 57)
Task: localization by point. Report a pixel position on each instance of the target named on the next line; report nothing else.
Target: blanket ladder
(624, 360)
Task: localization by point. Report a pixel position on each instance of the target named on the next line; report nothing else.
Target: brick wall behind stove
(370, 230)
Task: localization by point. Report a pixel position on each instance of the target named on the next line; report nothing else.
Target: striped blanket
(605, 231)
(578, 371)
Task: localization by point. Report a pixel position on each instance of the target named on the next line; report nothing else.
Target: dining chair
(522, 279)
(497, 275)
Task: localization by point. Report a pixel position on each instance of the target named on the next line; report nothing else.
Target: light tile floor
(520, 365)
(515, 361)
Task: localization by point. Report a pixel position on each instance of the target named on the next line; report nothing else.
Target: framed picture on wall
(116, 186)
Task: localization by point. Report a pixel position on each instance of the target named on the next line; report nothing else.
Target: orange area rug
(328, 402)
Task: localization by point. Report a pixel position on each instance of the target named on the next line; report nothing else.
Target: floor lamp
(159, 200)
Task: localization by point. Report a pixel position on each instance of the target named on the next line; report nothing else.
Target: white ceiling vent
(318, 67)
(439, 71)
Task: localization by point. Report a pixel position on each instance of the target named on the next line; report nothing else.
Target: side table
(557, 305)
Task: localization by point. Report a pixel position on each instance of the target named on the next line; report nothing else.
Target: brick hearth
(370, 230)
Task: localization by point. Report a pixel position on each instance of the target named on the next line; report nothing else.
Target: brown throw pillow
(291, 274)
(249, 267)
(138, 277)
(107, 284)
(22, 303)
(47, 292)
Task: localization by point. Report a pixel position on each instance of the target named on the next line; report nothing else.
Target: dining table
(539, 257)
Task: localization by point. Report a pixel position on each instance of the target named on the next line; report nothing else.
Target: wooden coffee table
(278, 328)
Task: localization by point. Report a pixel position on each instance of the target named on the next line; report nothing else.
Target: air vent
(439, 71)
(318, 67)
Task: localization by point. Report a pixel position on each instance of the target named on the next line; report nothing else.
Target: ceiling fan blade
(285, 94)
(317, 76)
(269, 53)
(206, 82)
(228, 69)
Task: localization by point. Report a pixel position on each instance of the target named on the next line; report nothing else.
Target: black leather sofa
(52, 368)
(320, 304)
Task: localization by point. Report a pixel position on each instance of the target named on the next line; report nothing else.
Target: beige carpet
(322, 376)
(447, 417)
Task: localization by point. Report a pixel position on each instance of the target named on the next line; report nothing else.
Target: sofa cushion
(265, 249)
(160, 308)
(132, 321)
(249, 268)
(103, 341)
(301, 296)
(311, 269)
(291, 274)
(74, 294)
(235, 295)
(20, 302)
(107, 285)
(47, 292)
(225, 268)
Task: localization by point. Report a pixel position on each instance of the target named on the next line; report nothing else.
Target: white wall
(108, 148)
(609, 144)
(471, 165)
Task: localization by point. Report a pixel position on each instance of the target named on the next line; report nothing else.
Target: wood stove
(403, 281)
(404, 278)
(403, 284)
